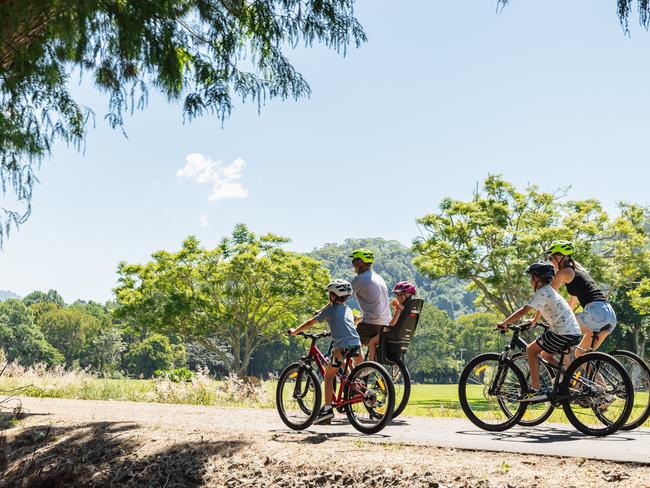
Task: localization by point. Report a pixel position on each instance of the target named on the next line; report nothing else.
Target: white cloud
(203, 220)
(223, 178)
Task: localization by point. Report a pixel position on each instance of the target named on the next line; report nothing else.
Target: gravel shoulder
(82, 443)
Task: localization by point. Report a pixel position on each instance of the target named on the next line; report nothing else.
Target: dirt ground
(44, 452)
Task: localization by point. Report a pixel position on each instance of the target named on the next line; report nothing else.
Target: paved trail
(551, 439)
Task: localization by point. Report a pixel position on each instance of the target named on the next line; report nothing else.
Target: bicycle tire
(402, 371)
(515, 390)
(591, 401)
(635, 421)
(357, 384)
(298, 373)
(532, 417)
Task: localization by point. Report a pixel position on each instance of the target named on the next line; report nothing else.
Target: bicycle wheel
(639, 373)
(485, 386)
(298, 396)
(536, 413)
(371, 389)
(402, 381)
(598, 394)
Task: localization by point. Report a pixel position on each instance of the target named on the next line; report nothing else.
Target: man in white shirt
(371, 292)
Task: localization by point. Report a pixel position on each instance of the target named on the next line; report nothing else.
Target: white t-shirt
(372, 294)
(555, 310)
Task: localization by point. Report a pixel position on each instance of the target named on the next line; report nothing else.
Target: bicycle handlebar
(521, 327)
(314, 336)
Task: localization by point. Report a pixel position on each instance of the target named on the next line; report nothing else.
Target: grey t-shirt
(340, 320)
(372, 294)
(555, 310)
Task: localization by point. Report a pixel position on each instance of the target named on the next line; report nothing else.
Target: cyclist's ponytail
(572, 263)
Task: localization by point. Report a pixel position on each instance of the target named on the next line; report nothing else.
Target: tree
(432, 356)
(152, 354)
(200, 52)
(476, 334)
(70, 331)
(244, 293)
(104, 350)
(490, 239)
(21, 339)
(51, 296)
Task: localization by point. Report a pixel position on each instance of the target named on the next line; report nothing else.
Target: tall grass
(57, 382)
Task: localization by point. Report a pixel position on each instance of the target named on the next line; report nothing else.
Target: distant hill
(6, 294)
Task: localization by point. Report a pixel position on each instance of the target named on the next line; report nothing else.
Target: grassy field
(426, 400)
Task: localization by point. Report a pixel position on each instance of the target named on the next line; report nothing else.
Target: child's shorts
(555, 343)
(339, 355)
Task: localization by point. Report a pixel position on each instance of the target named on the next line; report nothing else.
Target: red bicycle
(365, 392)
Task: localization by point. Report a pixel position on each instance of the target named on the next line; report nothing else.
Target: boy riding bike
(345, 339)
(563, 330)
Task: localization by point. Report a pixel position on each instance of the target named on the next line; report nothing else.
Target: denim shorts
(597, 315)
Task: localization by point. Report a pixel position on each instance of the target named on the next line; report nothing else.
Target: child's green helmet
(561, 247)
(364, 255)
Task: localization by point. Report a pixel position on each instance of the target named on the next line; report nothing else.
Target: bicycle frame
(554, 396)
(316, 356)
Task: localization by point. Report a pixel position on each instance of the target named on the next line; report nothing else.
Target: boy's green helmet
(561, 247)
(364, 255)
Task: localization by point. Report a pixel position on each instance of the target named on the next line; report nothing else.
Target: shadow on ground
(103, 454)
(545, 434)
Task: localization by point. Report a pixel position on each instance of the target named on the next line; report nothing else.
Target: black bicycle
(636, 368)
(595, 391)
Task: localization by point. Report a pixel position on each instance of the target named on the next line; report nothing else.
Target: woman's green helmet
(561, 247)
(364, 255)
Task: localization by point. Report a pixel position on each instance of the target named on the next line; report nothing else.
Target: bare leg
(585, 343)
(372, 348)
(532, 351)
(329, 385)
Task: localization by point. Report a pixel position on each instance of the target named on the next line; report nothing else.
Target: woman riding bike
(597, 312)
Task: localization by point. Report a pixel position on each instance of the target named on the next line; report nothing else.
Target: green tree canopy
(202, 53)
(21, 339)
(154, 353)
(51, 296)
(244, 293)
(70, 331)
(490, 239)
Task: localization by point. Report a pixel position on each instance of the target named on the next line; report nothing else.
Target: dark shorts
(555, 343)
(368, 331)
(346, 352)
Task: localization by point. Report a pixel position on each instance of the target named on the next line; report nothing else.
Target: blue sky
(443, 94)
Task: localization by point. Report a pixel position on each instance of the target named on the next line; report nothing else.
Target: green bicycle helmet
(561, 247)
(364, 255)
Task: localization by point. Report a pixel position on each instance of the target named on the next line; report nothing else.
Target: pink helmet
(404, 286)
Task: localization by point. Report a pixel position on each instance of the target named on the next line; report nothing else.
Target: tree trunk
(495, 300)
(635, 336)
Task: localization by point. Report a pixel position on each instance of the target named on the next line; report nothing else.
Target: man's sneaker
(534, 396)
(326, 413)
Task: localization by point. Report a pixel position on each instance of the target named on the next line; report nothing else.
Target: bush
(176, 375)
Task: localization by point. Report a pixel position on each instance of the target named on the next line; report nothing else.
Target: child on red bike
(345, 339)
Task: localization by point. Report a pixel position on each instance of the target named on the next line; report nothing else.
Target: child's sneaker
(534, 396)
(326, 413)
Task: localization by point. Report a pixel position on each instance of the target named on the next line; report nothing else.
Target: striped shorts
(555, 343)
